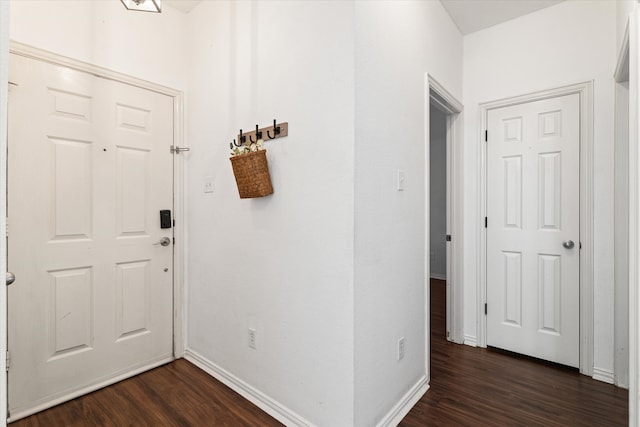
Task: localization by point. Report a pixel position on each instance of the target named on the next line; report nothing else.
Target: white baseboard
(603, 375)
(402, 408)
(261, 400)
(470, 341)
(438, 276)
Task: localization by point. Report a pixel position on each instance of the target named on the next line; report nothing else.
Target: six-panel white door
(89, 168)
(533, 195)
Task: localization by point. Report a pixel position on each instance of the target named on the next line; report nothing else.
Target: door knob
(10, 278)
(568, 244)
(165, 241)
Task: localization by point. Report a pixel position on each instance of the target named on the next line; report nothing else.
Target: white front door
(533, 199)
(89, 169)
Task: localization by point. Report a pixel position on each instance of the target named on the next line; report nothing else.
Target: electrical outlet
(401, 348)
(252, 338)
(401, 180)
(207, 185)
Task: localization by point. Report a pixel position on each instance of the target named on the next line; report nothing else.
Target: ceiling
(182, 5)
(469, 15)
(474, 15)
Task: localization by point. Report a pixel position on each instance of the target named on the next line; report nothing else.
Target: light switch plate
(207, 185)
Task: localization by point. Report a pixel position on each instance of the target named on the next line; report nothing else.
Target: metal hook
(276, 130)
(242, 139)
(258, 136)
(237, 145)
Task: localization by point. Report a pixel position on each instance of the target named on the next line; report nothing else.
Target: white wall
(438, 192)
(149, 46)
(574, 41)
(283, 264)
(397, 42)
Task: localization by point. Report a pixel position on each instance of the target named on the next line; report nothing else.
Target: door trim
(448, 104)
(436, 93)
(621, 217)
(4, 92)
(585, 90)
(178, 178)
(634, 218)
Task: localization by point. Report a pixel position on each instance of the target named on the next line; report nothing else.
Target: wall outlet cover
(401, 180)
(207, 184)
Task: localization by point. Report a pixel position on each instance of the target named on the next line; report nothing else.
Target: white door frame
(178, 206)
(621, 217)
(437, 94)
(634, 217)
(4, 82)
(585, 90)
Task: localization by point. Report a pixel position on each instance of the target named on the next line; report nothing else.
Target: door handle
(568, 244)
(10, 278)
(165, 241)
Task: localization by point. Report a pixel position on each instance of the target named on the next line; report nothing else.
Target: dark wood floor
(469, 387)
(177, 394)
(480, 387)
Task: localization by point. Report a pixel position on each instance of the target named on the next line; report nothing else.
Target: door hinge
(7, 360)
(174, 222)
(174, 240)
(485, 222)
(448, 237)
(485, 308)
(178, 150)
(486, 136)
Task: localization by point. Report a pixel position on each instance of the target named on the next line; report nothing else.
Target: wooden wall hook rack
(277, 130)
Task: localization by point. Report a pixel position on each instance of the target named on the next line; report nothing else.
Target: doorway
(585, 242)
(533, 236)
(438, 193)
(445, 206)
(89, 170)
(438, 204)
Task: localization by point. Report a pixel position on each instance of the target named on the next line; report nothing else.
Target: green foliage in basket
(247, 147)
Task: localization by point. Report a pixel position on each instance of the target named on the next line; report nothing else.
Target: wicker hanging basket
(252, 174)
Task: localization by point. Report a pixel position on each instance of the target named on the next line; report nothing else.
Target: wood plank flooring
(469, 387)
(176, 394)
(480, 387)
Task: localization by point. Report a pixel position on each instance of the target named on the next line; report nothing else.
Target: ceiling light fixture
(143, 5)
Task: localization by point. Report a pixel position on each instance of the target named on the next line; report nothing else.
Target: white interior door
(89, 168)
(533, 191)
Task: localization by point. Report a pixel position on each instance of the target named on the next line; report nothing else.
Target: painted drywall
(149, 46)
(282, 264)
(438, 193)
(4, 78)
(550, 48)
(397, 42)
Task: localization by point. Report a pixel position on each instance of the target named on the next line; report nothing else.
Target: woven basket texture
(252, 174)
